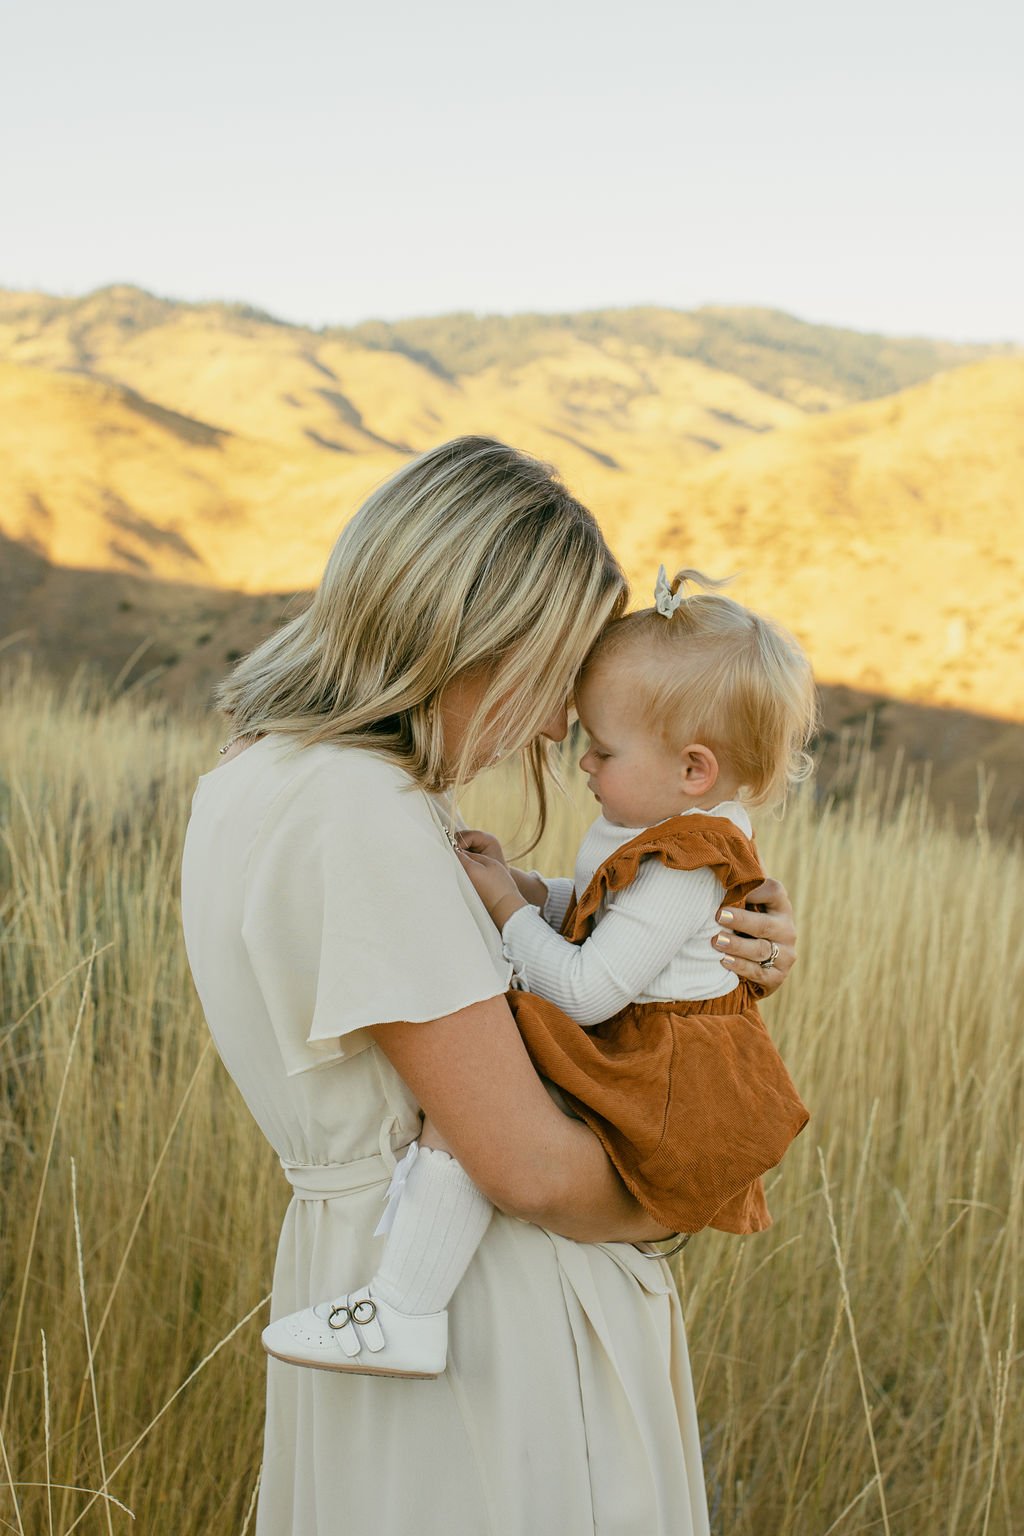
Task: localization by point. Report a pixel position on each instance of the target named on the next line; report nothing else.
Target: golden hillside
(213, 447)
(598, 408)
(889, 536)
(98, 477)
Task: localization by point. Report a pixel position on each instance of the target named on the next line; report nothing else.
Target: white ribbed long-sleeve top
(649, 943)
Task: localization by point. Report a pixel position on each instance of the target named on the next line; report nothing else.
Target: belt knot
(330, 1181)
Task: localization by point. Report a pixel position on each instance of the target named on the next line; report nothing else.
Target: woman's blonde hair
(473, 558)
(715, 672)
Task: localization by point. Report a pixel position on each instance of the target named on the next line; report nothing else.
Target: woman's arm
(471, 1074)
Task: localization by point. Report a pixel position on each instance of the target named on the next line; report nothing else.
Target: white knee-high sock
(439, 1224)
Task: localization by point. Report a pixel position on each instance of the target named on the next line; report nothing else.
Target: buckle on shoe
(362, 1312)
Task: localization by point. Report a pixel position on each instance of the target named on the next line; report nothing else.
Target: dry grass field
(856, 1365)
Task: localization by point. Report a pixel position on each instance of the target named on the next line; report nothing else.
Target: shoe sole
(353, 1370)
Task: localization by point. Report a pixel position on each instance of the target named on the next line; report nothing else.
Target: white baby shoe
(361, 1333)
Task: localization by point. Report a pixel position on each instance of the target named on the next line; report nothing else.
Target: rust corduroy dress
(691, 1100)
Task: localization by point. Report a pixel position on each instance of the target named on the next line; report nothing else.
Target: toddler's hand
(472, 840)
(494, 885)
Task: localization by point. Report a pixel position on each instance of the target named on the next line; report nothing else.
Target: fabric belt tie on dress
(330, 1181)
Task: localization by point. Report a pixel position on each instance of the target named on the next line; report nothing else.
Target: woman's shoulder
(347, 781)
(277, 779)
(354, 765)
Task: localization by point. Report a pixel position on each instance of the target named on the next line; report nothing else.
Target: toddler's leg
(439, 1224)
(397, 1325)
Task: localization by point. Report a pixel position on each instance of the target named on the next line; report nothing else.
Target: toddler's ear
(699, 767)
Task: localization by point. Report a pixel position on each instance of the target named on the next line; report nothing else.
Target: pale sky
(857, 163)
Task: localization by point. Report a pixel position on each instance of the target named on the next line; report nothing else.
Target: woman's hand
(751, 933)
(494, 885)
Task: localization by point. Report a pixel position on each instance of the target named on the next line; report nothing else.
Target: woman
(352, 979)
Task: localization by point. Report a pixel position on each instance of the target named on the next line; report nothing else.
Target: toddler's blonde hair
(473, 557)
(717, 673)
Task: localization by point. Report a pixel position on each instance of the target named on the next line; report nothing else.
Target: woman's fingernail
(729, 961)
(726, 917)
(723, 940)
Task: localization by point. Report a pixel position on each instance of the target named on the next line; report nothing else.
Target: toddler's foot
(361, 1333)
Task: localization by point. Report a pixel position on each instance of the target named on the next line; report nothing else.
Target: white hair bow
(665, 600)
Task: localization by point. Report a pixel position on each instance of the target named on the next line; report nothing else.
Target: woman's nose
(556, 726)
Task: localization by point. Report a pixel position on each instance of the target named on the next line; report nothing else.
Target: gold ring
(364, 1301)
(336, 1312)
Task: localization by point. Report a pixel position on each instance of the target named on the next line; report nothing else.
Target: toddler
(694, 709)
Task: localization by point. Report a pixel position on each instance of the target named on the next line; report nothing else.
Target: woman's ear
(699, 767)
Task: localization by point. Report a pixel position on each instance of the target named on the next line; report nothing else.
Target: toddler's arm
(551, 896)
(641, 929)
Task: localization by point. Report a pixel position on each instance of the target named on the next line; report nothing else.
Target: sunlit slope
(889, 536)
(97, 477)
(644, 391)
(588, 403)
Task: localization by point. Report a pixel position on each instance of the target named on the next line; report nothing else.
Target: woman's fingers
(749, 937)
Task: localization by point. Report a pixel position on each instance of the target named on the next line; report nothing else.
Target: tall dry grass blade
(46, 1432)
(720, 1320)
(130, 1452)
(10, 1483)
(136, 655)
(51, 989)
(204, 1053)
(1003, 1368)
(852, 1505)
(815, 1400)
(78, 1488)
(252, 1502)
(203, 1056)
(848, 1307)
(20, 1312)
(88, 1340)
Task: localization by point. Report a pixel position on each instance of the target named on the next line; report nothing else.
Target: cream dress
(320, 895)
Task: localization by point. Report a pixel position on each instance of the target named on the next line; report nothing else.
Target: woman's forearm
(588, 1203)
(584, 1198)
(472, 1076)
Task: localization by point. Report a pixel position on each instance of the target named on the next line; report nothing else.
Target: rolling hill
(172, 471)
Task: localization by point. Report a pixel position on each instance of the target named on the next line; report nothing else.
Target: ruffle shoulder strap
(683, 842)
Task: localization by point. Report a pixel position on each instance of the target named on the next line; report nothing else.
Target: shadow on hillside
(178, 640)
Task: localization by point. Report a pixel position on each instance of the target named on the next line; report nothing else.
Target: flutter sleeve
(371, 903)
